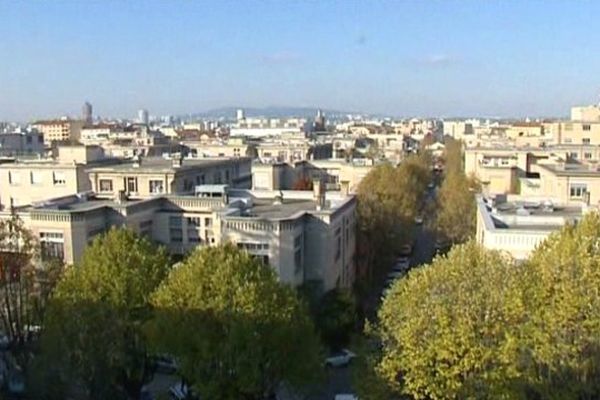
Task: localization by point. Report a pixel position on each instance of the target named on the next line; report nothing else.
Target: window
(194, 221)
(59, 178)
(131, 185)
(146, 228)
(156, 186)
(29, 139)
(577, 190)
(587, 156)
(226, 176)
(586, 127)
(208, 222)
(298, 260)
(106, 185)
(568, 140)
(41, 139)
(14, 178)
(585, 140)
(52, 245)
(174, 222)
(36, 178)
(573, 155)
(568, 127)
(176, 235)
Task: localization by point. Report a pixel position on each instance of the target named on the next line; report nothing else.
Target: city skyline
(429, 59)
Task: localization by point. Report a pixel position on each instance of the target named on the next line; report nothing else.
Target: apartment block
(27, 181)
(20, 142)
(59, 130)
(143, 177)
(304, 236)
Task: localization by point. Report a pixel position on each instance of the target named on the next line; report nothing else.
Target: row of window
(36, 178)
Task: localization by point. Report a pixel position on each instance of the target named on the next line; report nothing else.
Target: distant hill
(269, 112)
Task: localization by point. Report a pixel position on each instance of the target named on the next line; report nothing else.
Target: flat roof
(159, 164)
(572, 169)
(265, 208)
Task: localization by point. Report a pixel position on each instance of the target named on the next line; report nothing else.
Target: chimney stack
(345, 188)
(121, 197)
(177, 160)
(319, 193)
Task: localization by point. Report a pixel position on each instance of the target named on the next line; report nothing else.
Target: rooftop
(159, 164)
(582, 170)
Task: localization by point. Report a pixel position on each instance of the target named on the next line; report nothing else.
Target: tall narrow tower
(86, 113)
(143, 116)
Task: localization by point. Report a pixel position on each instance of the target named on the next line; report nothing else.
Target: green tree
(336, 317)
(236, 332)
(389, 198)
(562, 335)
(456, 208)
(94, 324)
(447, 330)
(26, 282)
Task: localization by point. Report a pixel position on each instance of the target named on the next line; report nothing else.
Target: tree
(446, 331)
(561, 338)
(475, 324)
(236, 332)
(25, 282)
(336, 317)
(456, 208)
(389, 198)
(95, 317)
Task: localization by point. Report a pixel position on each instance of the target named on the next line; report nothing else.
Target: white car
(402, 263)
(418, 220)
(345, 396)
(395, 275)
(340, 359)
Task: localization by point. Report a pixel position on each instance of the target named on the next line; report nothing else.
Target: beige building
(26, 181)
(305, 236)
(586, 113)
(59, 130)
(151, 176)
(283, 176)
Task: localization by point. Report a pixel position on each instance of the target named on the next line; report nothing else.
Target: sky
(401, 58)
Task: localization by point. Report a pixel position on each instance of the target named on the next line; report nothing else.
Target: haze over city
(455, 58)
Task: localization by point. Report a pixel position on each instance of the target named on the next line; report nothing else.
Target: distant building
(586, 113)
(320, 123)
(263, 127)
(143, 116)
(59, 130)
(19, 142)
(86, 113)
(240, 114)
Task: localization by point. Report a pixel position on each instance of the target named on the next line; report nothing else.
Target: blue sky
(428, 58)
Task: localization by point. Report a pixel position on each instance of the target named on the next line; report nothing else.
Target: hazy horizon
(503, 59)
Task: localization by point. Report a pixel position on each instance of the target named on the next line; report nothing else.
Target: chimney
(177, 160)
(319, 193)
(345, 188)
(121, 197)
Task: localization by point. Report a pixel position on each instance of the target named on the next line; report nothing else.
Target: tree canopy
(388, 200)
(95, 317)
(474, 324)
(236, 332)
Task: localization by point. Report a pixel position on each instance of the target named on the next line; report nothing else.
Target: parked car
(180, 391)
(419, 220)
(165, 364)
(341, 359)
(345, 396)
(441, 246)
(405, 250)
(393, 275)
(402, 263)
